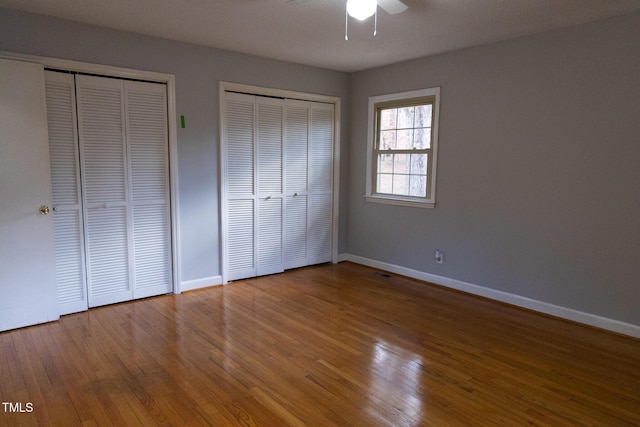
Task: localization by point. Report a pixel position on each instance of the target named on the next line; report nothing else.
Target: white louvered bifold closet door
(296, 143)
(277, 184)
(239, 185)
(270, 114)
(101, 124)
(65, 180)
(125, 182)
(320, 211)
(146, 131)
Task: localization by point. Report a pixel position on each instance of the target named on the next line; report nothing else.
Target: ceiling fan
(363, 9)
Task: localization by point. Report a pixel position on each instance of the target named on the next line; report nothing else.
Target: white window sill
(401, 201)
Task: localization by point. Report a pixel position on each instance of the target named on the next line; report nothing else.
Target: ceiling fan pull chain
(346, 24)
(375, 23)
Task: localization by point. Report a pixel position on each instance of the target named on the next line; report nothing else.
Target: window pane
(388, 118)
(405, 139)
(405, 117)
(385, 181)
(401, 185)
(422, 138)
(418, 186)
(419, 164)
(401, 163)
(385, 163)
(387, 140)
(423, 116)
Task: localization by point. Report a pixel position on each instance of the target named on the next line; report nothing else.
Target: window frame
(399, 100)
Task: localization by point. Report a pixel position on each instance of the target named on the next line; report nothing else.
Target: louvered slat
(67, 214)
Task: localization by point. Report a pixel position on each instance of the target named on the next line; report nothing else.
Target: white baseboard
(190, 285)
(513, 299)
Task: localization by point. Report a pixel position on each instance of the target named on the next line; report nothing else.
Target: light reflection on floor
(391, 364)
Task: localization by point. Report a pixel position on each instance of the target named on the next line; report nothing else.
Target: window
(402, 148)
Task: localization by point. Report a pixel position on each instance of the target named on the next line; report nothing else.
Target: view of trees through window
(403, 150)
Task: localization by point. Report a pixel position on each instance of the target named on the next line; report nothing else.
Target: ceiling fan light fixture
(361, 9)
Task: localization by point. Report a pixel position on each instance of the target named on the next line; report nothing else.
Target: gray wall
(198, 71)
(538, 186)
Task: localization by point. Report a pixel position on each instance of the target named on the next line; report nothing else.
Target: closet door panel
(147, 138)
(269, 183)
(103, 164)
(320, 216)
(239, 187)
(65, 182)
(296, 181)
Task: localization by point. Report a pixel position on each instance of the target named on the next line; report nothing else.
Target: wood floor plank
(326, 345)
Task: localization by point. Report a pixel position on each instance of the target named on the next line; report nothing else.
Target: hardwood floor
(327, 345)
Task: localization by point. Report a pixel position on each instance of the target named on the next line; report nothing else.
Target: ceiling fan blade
(392, 6)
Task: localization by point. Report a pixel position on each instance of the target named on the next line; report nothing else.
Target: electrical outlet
(438, 255)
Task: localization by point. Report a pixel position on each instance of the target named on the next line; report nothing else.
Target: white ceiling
(312, 31)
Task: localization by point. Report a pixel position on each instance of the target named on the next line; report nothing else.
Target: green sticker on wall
(182, 122)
